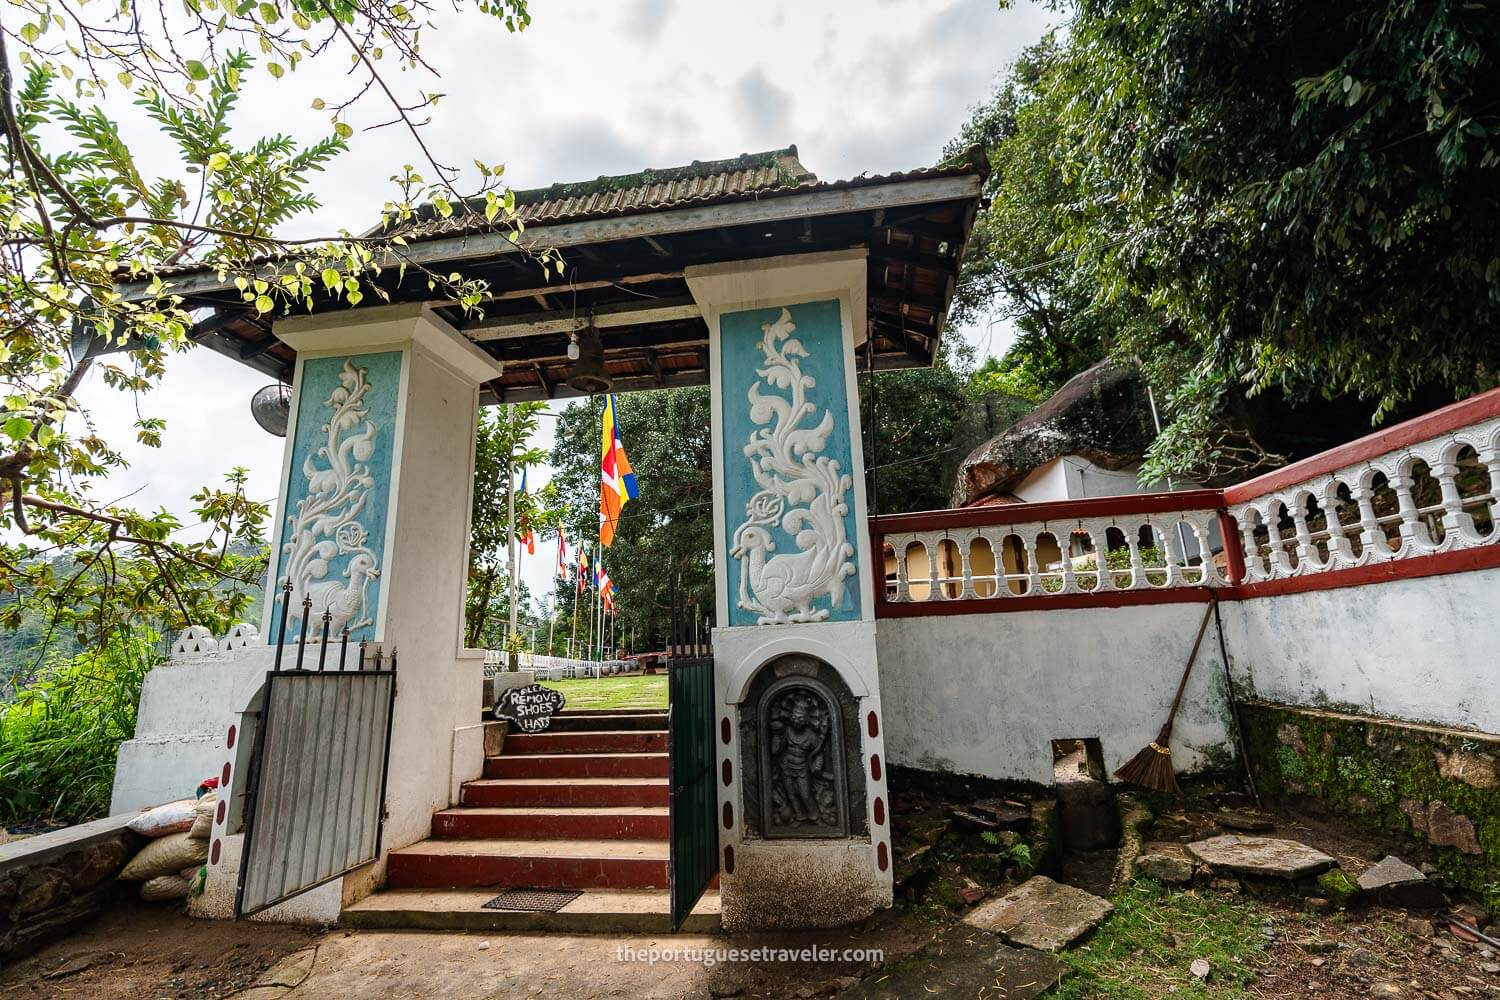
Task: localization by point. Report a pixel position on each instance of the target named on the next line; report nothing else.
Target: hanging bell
(590, 374)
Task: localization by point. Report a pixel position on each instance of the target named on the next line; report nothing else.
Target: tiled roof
(702, 182)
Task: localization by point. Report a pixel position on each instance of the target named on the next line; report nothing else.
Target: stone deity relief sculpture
(803, 780)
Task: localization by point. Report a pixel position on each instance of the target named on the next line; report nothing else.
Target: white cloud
(589, 89)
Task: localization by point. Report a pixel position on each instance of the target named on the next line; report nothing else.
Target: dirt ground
(154, 952)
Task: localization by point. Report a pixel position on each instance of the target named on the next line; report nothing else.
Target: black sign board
(529, 708)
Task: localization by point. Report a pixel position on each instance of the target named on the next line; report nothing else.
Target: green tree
(1308, 197)
(502, 455)
(666, 533)
(83, 212)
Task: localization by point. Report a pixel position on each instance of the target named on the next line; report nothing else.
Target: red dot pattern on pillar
(875, 766)
(726, 731)
(726, 771)
(223, 808)
(728, 816)
(879, 811)
(213, 855)
(229, 743)
(729, 859)
(882, 856)
(224, 778)
(874, 726)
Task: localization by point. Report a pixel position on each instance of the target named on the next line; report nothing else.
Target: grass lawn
(1144, 949)
(630, 691)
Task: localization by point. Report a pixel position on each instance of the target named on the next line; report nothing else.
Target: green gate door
(693, 799)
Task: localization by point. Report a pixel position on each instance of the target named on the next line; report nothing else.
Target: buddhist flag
(617, 485)
(528, 539)
(606, 588)
(583, 569)
(562, 556)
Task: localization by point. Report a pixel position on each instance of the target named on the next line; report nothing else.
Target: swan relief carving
(802, 490)
(326, 524)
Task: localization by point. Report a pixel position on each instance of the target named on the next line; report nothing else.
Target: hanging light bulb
(573, 346)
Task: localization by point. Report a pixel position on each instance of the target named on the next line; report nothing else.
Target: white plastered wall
(987, 694)
(1419, 649)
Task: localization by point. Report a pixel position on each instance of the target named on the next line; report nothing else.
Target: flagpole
(510, 529)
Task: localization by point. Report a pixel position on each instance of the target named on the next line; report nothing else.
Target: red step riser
(644, 741)
(540, 796)
(622, 766)
(416, 871)
(546, 826)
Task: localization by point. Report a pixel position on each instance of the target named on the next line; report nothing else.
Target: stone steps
(601, 741)
(546, 864)
(543, 792)
(570, 822)
(597, 911)
(613, 719)
(578, 765)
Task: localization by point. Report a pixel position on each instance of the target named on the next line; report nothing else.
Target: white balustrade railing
(1424, 487)
(1150, 542)
(553, 668)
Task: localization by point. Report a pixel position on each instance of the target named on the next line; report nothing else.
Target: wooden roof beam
(638, 313)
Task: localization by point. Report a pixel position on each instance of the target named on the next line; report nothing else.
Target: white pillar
(396, 557)
(794, 578)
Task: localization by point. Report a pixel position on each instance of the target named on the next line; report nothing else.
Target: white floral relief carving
(326, 524)
(800, 488)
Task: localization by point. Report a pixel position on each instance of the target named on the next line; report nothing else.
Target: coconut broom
(1152, 767)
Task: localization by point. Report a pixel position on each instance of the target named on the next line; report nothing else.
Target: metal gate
(316, 791)
(693, 798)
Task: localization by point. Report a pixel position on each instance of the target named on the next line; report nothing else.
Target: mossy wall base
(1436, 789)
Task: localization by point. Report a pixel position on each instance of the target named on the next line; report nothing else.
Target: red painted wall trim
(1423, 428)
(990, 605)
(1051, 510)
(1436, 564)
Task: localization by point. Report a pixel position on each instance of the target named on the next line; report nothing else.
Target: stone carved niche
(800, 753)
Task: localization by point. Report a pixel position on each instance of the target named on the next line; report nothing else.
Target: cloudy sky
(599, 88)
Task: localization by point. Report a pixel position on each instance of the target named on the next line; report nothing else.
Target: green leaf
(18, 428)
(196, 70)
(331, 279)
(318, 104)
(275, 69)
(342, 129)
(218, 161)
(263, 304)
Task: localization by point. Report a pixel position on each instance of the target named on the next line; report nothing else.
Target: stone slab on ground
(1396, 883)
(1041, 914)
(1165, 862)
(1272, 857)
(964, 962)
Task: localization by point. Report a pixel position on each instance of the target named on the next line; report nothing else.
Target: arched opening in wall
(1153, 548)
(1049, 561)
(950, 567)
(1117, 558)
(1473, 481)
(801, 758)
(1192, 547)
(1286, 528)
(247, 736)
(1346, 516)
(1387, 510)
(888, 562)
(1427, 494)
(918, 587)
(1017, 564)
(1258, 559)
(1086, 559)
(1316, 520)
(983, 567)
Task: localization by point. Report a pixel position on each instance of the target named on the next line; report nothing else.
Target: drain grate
(533, 900)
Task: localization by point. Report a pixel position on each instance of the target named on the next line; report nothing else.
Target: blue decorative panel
(337, 500)
(788, 496)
